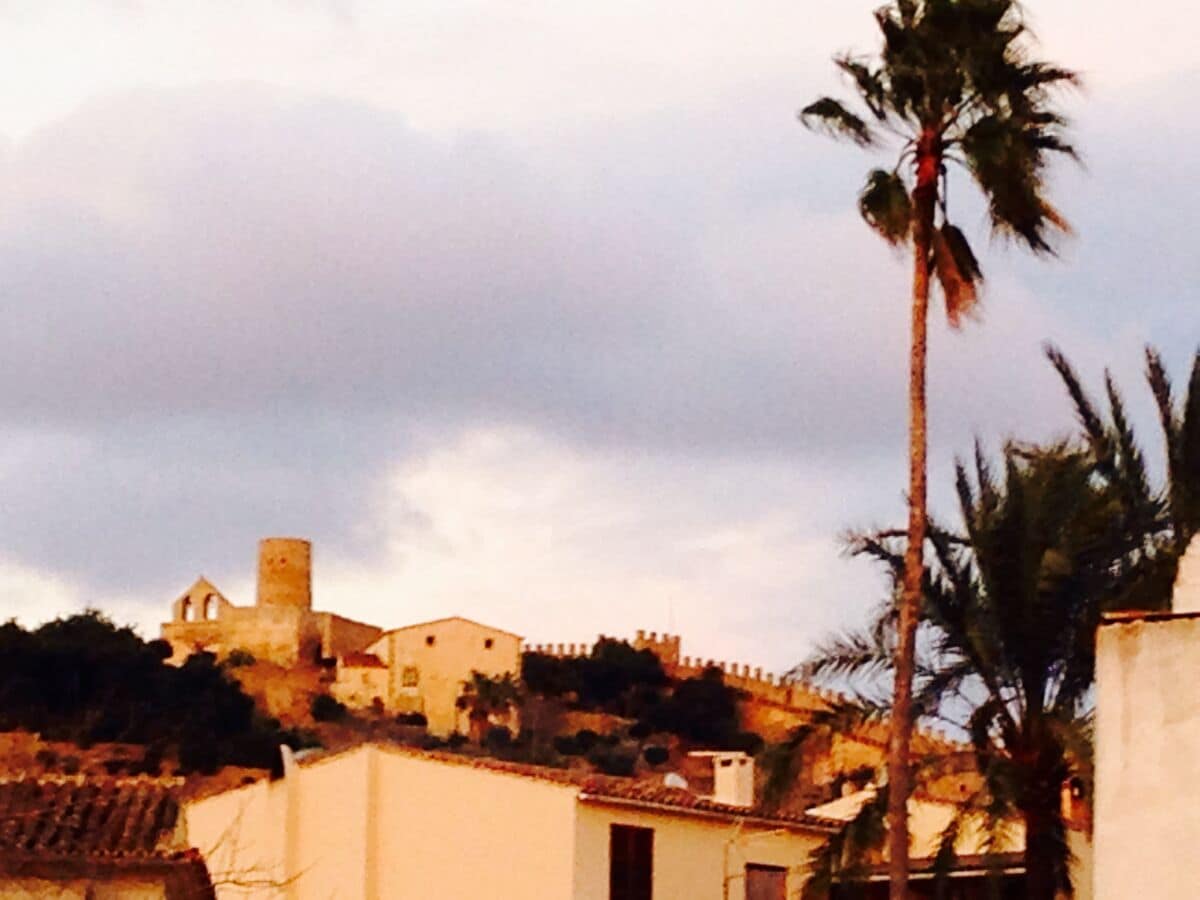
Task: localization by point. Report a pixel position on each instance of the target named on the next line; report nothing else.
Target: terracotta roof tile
(654, 793)
(85, 816)
(361, 661)
(650, 793)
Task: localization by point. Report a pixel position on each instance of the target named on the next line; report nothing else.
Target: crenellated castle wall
(774, 704)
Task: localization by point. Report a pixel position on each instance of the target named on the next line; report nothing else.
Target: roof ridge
(81, 778)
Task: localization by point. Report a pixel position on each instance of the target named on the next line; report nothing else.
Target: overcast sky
(543, 313)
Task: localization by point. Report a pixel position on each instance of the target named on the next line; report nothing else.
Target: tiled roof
(362, 661)
(85, 816)
(647, 793)
(445, 619)
(655, 794)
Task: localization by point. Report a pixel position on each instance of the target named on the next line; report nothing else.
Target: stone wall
(340, 636)
(279, 634)
(359, 687)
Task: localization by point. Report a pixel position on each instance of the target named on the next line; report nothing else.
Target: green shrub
(567, 745)
(326, 709)
(640, 730)
(240, 657)
(613, 760)
(200, 754)
(497, 738)
(655, 756)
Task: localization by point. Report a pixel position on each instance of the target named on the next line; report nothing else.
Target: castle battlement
(765, 686)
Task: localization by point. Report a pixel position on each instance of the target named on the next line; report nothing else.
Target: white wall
(693, 857)
(458, 833)
(371, 824)
(1147, 827)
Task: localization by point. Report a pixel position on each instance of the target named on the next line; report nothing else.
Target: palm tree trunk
(1039, 864)
(899, 776)
(1041, 807)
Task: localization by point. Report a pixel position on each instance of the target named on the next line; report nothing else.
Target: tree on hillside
(84, 679)
(1166, 516)
(704, 712)
(953, 82)
(1011, 604)
(615, 677)
(485, 697)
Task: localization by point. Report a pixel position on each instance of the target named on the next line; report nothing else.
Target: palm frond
(868, 82)
(957, 272)
(885, 205)
(831, 117)
(1093, 426)
(845, 856)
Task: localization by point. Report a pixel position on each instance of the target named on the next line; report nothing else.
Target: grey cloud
(248, 249)
(227, 309)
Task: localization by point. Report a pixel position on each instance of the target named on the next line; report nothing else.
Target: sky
(548, 314)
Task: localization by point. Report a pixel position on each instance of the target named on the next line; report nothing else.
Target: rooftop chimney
(733, 776)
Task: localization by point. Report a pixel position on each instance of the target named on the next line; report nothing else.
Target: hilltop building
(281, 626)
(414, 669)
(422, 668)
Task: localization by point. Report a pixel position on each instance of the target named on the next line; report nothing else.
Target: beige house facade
(390, 822)
(1148, 747)
(427, 664)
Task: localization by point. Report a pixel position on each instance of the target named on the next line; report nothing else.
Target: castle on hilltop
(280, 627)
(422, 668)
(419, 668)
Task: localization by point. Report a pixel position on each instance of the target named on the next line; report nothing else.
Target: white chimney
(1186, 596)
(733, 777)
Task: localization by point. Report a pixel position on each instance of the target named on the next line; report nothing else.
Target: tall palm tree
(1011, 607)
(1166, 517)
(954, 81)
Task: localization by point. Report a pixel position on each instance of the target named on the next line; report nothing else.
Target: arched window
(188, 610)
(210, 607)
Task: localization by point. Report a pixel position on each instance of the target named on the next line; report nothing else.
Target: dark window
(630, 863)
(766, 883)
(487, 643)
(429, 640)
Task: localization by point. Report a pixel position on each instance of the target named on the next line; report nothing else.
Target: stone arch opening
(209, 612)
(187, 612)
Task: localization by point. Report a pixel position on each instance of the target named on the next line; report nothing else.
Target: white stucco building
(1147, 825)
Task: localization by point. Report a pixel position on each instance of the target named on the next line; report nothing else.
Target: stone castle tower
(281, 626)
(285, 573)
